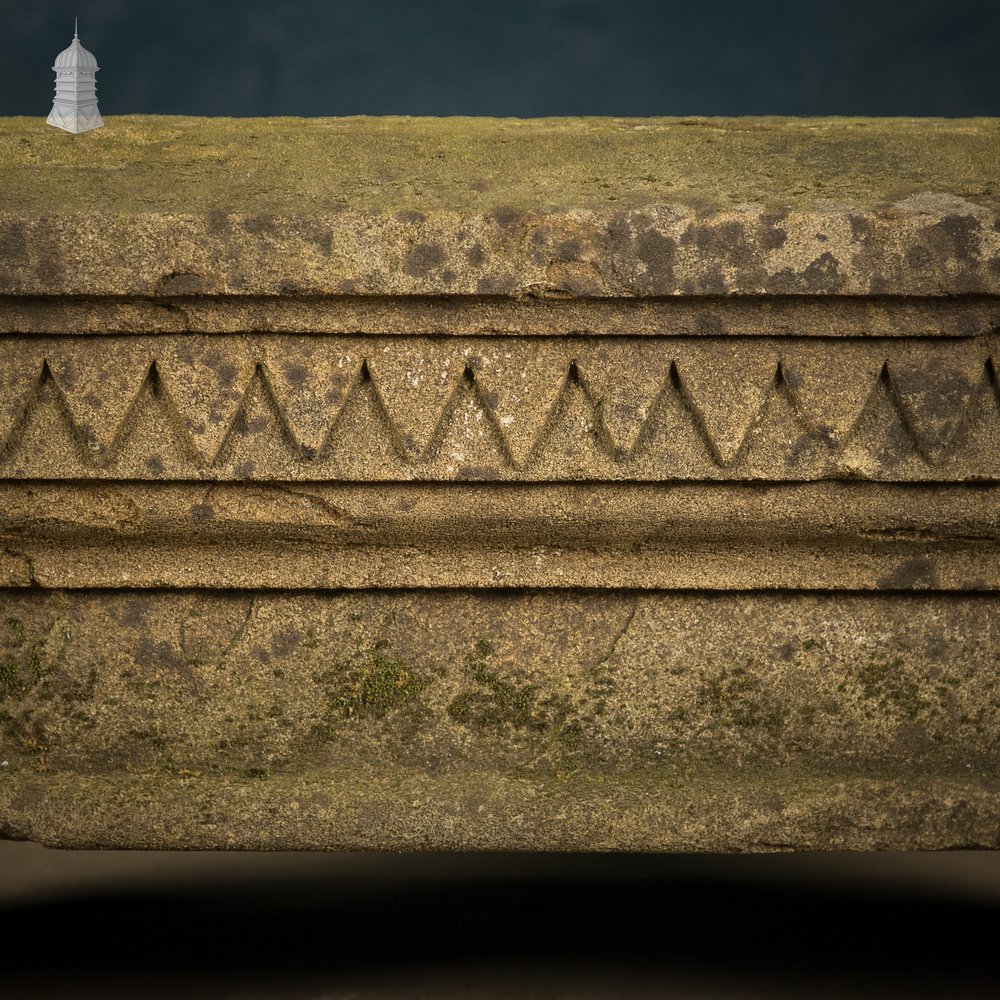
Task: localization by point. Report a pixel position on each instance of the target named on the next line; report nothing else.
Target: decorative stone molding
(467, 483)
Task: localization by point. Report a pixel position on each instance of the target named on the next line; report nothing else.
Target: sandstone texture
(466, 483)
(458, 206)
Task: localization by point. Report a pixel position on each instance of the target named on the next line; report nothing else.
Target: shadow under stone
(598, 926)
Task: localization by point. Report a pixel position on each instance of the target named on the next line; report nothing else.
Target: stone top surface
(582, 207)
(140, 164)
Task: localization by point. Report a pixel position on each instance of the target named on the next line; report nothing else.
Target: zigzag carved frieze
(332, 407)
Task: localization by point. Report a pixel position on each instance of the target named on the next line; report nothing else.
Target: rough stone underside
(378, 494)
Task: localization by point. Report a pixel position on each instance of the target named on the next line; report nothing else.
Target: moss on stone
(503, 703)
(371, 688)
(153, 163)
(738, 697)
(12, 633)
(888, 684)
(20, 672)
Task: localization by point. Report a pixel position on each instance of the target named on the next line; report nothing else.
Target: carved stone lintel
(545, 485)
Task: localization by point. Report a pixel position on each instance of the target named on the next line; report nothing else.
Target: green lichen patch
(890, 688)
(369, 687)
(11, 633)
(501, 703)
(22, 671)
(737, 697)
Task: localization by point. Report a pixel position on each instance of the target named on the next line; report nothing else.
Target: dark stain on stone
(154, 464)
(895, 445)
(448, 276)
(284, 642)
(245, 470)
(823, 274)
(225, 372)
(862, 228)
(182, 283)
(619, 233)
(960, 232)
(158, 654)
(474, 255)
(50, 266)
(67, 376)
(410, 216)
(479, 185)
(240, 425)
(658, 253)
(944, 394)
(724, 241)
(567, 250)
(496, 285)
(477, 472)
(772, 236)
(918, 258)
(918, 573)
(423, 259)
(709, 323)
(295, 374)
(13, 243)
(134, 614)
(802, 450)
(712, 282)
(202, 512)
(217, 222)
(541, 237)
(260, 225)
(507, 217)
(790, 378)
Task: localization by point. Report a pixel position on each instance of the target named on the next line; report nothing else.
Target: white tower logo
(75, 106)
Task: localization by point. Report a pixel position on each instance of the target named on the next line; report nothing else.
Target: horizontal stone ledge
(407, 809)
(470, 719)
(527, 315)
(742, 566)
(578, 207)
(849, 536)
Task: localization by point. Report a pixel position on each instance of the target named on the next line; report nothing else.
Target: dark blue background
(513, 57)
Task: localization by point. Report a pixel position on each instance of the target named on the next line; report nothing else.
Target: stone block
(583, 484)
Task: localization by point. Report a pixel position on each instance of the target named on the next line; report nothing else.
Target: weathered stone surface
(802, 536)
(585, 207)
(546, 719)
(490, 484)
(313, 407)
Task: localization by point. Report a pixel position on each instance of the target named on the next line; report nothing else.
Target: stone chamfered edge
(716, 661)
(735, 537)
(151, 206)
